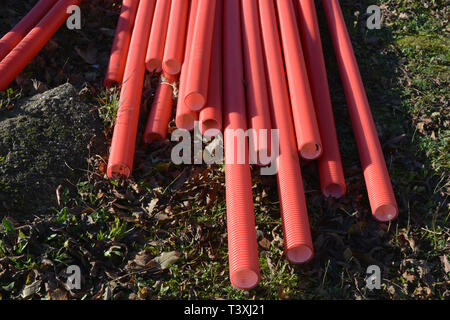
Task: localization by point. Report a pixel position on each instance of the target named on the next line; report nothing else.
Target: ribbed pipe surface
(378, 183)
(331, 173)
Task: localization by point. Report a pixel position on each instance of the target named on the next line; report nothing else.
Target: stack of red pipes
(247, 64)
(240, 64)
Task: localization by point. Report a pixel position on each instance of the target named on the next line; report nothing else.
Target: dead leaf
(31, 289)
(151, 206)
(264, 243)
(58, 294)
(446, 264)
(165, 259)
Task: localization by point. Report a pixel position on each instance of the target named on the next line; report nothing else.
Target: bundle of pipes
(29, 36)
(238, 64)
(250, 64)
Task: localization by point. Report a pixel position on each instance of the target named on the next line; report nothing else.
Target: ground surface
(163, 234)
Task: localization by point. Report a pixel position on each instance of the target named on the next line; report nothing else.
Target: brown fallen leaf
(446, 264)
(58, 294)
(264, 243)
(165, 259)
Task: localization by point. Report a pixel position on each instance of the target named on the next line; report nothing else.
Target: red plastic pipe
(378, 183)
(121, 44)
(123, 143)
(12, 38)
(258, 108)
(196, 93)
(330, 165)
(176, 36)
(19, 57)
(211, 116)
(161, 112)
(297, 234)
(155, 51)
(242, 247)
(309, 142)
(185, 117)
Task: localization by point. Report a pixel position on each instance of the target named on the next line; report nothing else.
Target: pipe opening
(185, 121)
(195, 101)
(172, 66)
(310, 151)
(111, 83)
(154, 136)
(154, 65)
(386, 212)
(119, 171)
(334, 190)
(299, 254)
(210, 128)
(244, 279)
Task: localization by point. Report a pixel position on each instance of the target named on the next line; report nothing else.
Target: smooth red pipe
(196, 93)
(19, 57)
(211, 116)
(258, 108)
(176, 37)
(185, 117)
(242, 246)
(378, 183)
(161, 112)
(123, 143)
(156, 43)
(12, 38)
(121, 44)
(309, 142)
(297, 234)
(331, 173)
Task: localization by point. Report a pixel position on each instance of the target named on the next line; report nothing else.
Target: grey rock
(41, 139)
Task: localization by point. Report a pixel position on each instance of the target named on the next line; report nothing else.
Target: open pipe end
(185, 121)
(154, 65)
(245, 279)
(195, 101)
(118, 171)
(152, 137)
(334, 190)
(172, 66)
(299, 253)
(385, 213)
(310, 151)
(210, 128)
(109, 83)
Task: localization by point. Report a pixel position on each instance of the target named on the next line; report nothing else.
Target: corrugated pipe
(156, 43)
(378, 183)
(124, 138)
(297, 234)
(12, 38)
(121, 44)
(242, 246)
(309, 142)
(19, 57)
(176, 37)
(161, 112)
(185, 117)
(210, 116)
(332, 179)
(258, 108)
(196, 92)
